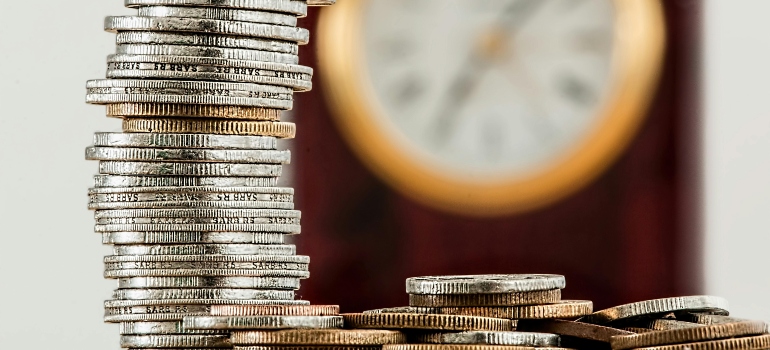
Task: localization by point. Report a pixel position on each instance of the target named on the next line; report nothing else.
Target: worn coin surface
(219, 14)
(147, 328)
(182, 181)
(210, 282)
(296, 7)
(202, 293)
(115, 24)
(187, 155)
(281, 130)
(262, 322)
(175, 341)
(184, 141)
(426, 321)
(156, 109)
(192, 238)
(198, 213)
(561, 309)
(360, 337)
(206, 52)
(483, 284)
(659, 306)
(189, 169)
(574, 329)
(506, 299)
(687, 335)
(279, 310)
(206, 249)
(708, 319)
(490, 338)
(197, 39)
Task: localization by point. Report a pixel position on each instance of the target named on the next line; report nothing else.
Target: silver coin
(278, 193)
(210, 282)
(197, 221)
(296, 259)
(202, 293)
(296, 7)
(209, 69)
(286, 229)
(697, 303)
(182, 181)
(483, 284)
(209, 270)
(278, 215)
(187, 155)
(206, 249)
(491, 338)
(207, 52)
(195, 39)
(184, 141)
(147, 328)
(321, 2)
(135, 87)
(211, 26)
(192, 238)
(223, 14)
(262, 322)
(101, 99)
(175, 341)
(188, 169)
(132, 303)
(157, 310)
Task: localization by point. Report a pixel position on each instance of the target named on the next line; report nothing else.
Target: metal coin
(126, 110)
(262, 322)
(202, 293)
(199, 221)
(219, 14)
(219, 127)
(756, 342)
(192, 238)
(169, 302)
(574, 329)
(196, 39)
(308, 347)
(491, 338)
(147, 328)
(278, 215)
(658, 306)
(562, 309)
(507, 299)
(188, 169)
(184, 141)
(483, 284)
(182, 181)
(296, 7)
(321, 2)
(462, 347)
(205, 249)
(175, 341)
(270, 310)
(362, 337)
(202, 25)
(201, 269)
(187, 155)
(708, 319)
(426, 321)
(688, 335)
(211, 52)
(210, 282)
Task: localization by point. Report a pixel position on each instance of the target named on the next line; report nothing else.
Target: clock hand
(474, 68)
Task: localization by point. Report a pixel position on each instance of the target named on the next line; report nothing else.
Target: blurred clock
(490, 107)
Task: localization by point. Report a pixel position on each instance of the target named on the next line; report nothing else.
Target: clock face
(490, 107)
(489, 88)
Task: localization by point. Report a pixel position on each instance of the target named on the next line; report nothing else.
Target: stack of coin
(289, 327)
(187, 193)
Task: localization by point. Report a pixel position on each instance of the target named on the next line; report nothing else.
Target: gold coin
(573, 329)
(758, 342)
(507, 299)
(688, 335)
(275, 310)
(208, 126)
(462, 347)
(426, 321)
(191, 111)
(561, 309)
(362, 337)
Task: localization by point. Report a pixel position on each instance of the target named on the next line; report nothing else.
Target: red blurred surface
(629, 236)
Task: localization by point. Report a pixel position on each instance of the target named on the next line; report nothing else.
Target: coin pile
(187, 194)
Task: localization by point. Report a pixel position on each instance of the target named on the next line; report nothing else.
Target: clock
(490, 107)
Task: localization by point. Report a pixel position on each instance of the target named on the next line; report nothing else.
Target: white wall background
(51, 287)
(737, 148)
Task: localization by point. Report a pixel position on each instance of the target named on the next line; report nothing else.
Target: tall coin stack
(187, 192)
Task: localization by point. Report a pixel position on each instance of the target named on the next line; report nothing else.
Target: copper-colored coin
(310, 347)
(507, 299)
(573, 329)
(758, 342)
(463, 347)
(426, 321)
(362, 337)
(688, 335)
(209, 126)
(638, 330)
(191, 111)
(562, 309)
(275, 310)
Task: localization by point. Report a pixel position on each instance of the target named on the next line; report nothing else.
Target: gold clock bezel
(639, 45)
